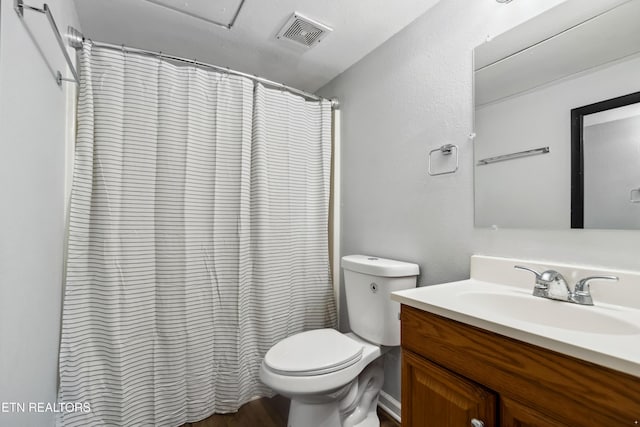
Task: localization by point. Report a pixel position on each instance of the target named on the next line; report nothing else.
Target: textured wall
(34, 131)
(412, 94)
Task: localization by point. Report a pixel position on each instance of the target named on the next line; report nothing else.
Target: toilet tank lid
(379, 266)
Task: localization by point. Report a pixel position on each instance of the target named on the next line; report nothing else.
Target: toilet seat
(311, 353)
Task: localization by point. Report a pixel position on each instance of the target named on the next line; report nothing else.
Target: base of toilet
(324, 415)
(317, 415)
(353, 406)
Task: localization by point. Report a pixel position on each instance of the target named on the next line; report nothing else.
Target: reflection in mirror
(524, 95)
(605, 164)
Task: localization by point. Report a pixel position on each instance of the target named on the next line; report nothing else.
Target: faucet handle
(519, 267)
(541, 286)
(582, 291)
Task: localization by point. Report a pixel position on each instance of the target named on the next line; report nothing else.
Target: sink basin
(555, 314)
(500, 301)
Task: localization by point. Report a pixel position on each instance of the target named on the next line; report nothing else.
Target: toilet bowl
(334, 379)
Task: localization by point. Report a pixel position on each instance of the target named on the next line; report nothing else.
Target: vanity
(486, 352)
(556, 146)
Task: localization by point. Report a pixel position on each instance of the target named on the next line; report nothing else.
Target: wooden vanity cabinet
(453, 373)
(517, 414)
(437, 397)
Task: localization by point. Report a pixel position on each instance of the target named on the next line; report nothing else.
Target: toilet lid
(316, 352)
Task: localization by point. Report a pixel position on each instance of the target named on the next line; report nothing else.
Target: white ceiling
(221, 11)
(359, 26)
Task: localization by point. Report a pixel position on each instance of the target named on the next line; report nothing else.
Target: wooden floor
(267, 412)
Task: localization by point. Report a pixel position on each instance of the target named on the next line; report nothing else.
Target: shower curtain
(197, 239)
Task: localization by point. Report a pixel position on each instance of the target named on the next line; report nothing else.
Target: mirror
(527, 83)
(605, 138)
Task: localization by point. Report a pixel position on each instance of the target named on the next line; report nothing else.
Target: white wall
(612, 146)
(34, 131)
(535, 192)
(413, 94)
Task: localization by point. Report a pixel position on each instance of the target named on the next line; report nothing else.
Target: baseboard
(390, 405)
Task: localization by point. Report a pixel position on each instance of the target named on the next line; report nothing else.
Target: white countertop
(513, 312)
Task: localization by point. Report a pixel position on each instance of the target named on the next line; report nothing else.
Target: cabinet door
(515, 414)
(435, 397)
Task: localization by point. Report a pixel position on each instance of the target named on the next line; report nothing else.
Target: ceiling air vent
(303, 31)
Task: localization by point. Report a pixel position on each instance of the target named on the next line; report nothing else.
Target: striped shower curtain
(197, 239)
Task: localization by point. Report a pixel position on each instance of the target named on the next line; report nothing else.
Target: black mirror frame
(577, 150)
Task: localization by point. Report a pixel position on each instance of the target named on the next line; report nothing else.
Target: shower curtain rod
(76, 39)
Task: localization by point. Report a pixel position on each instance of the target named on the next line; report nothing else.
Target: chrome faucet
(549, 284)
(552, 285)
(582, 292)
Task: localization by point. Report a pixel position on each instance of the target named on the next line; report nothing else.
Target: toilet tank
(368, 283)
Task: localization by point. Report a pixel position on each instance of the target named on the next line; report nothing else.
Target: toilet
(333, 379)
